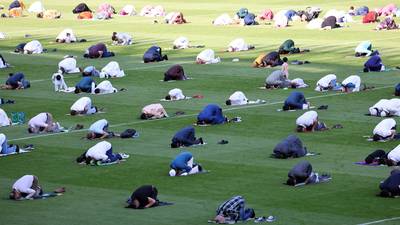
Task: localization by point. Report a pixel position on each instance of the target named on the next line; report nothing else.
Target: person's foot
(28, 147)
(223, 142)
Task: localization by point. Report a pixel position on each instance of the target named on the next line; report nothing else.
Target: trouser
(112, 157)
(92, 110)
(8, 149)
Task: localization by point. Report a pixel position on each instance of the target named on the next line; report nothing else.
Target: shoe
(260, 219)
(223, 142)
(323, 107)
(307, 62)
(124, 155)
(236, 119)
(201, 141)
(29, 147)
(78, 126)
(178, 113)
(10, 102)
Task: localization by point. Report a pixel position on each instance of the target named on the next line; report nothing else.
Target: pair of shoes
(10, 102)
(337, 126)
(223, 142)
(29, 147)
(236, 119)
(78, 126)
(124, 155)
(178, 113)
(323, 107)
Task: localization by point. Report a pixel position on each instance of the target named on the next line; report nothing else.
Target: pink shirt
(285, 69)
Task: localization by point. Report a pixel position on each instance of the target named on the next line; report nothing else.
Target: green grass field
(96, 195)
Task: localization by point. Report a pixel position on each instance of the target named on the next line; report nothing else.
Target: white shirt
(24, 184)
(82, 104)
(391, 106)
(98, 126)
(384, 127)
(112, 69)
(395, 154)
(4, 120)
(238, 45)
(176, 94)
(106, 87)
(207, 56)
(69, 65)
(363, 47)
(223, 19)
(181, 43)
(98, 151)
(63, 36)
(2, 140)
(34, 47)
(307, 119)
(326, 80)
(238, 98)
(354, 79)
(38, 121)
(124, 38)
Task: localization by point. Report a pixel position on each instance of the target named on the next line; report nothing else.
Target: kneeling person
(153, 111)
(43, 122)
(308, 122)
(185, 138)
(102, 152)
(183, 165)
(302, 173)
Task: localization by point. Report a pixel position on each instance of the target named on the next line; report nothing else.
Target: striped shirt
(231, 208)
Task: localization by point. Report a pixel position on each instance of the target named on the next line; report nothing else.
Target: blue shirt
(98, 126)
(211, 114)
(14, 79)
(374, 63)
(85, 84)
(295, 100)
(180, 162)
(153, 53)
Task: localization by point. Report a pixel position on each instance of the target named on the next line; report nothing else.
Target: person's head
(86, 55)
(376, 137)
(228, 102)
(39, 15)
(112, 54)
(172, 173)
(351, 7)
(268, 86)
(390, 162)
(285, 107)
(77, 90)
(31, 130)
(114, 36)
(91, 135)
(285, 59)
(68, 34)
(58, 77)
(366, 70)
(15, 195)
(10, 74)
(81, 158)
(97, 90)
(73, 112)
(88, 160)
(143, 116)
(300, 128)
(291, 181)
(168, 97)
(175, 145)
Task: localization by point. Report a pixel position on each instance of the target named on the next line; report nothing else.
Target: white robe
(98, 151)
(63, 36)
(384, 127)
(354, 79)
(361, 48)
(386, 106)
(4, 120)
(129, 10)
(69, 65)
(34, 47)
(176, 94)
(36, 7)
(106, 87)
(223, 19)
(208, 56)
(325, 81)
(281, 19)
(238, 98)
(123, 39)
(111, 70)
(238, 45)
(181, 43)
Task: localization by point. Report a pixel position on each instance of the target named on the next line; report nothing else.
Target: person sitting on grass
(99, 129)
(100, 153)
(390, 188)
(364, 49)
(83, 106)
(238, 45)
(98, 50)
(212, 115)
(4, 120)
(185, 138)
(386, 108)
(153, 111)
(308, 122)
(119, 38)
(143, 197)
(5, 148)
(66, 36)
(233, 210)
(370, 17)
(327, 83)
(175, 94)
(184, 165)
(295, 101)
(68, 65)
(288, 47)
(302, 173)
(86, 85)
(43, 122)
(290, 147)
(105, 87)
(351, 84)
(16, 81)
(154, 54)
(374, 63)
(385, 130)
(207, 56)
(175, 18)
(175, 72)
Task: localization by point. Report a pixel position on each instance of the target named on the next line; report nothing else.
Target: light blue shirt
(98, 126)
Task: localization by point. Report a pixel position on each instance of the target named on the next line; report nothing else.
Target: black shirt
(142, 193)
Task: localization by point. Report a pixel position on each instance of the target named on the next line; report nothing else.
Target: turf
(96, 195)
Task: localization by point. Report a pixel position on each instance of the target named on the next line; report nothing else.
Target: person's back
(98, 151)
(289, 147)
(329, 22)
(370, 17)
(211, 114)
(98, 126)
(286, 47)
(175, 72)
(273, 59)
(181, 160)
(82, 7)
(391, 186)
(81, 104)
(295, 100)
(249, 19)
(300, 172)
(276, 80)
(15, 80)
(85, 84)
(384, 128)
(374, 63)
(153, 54)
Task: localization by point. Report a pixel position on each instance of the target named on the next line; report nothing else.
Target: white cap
(172, 173)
